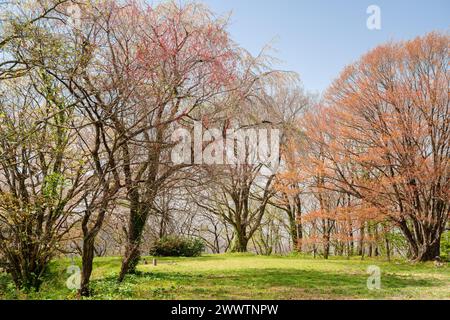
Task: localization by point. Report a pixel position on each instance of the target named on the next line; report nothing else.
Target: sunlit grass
(246, 276)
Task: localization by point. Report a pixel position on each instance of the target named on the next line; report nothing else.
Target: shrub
(175, 246)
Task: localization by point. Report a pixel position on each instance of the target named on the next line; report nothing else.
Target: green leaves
(53, 184)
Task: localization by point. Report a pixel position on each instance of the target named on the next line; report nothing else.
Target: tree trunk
(298, 224)
(26, 276)
(361, 241)
(87, 258)
(388, 249)
(326, 247)
(296, 234)
(87, 255)
(138, 218)
(299, 241)
(369, 233)
(240, 242)
(424, 242)
(429, 252)
(351, 244)
(130, 261)
(377, 250)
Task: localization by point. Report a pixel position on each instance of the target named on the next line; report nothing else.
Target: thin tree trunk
(87, 258)
(361, 240)
(388, 249)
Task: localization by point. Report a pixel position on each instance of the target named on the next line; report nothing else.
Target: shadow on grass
(289, 277)
(169, 260)
(269, 283)
(252, 283)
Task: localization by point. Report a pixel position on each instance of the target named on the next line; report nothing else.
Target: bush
(174, 246)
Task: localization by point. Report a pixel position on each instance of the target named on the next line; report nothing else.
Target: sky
(318, 38)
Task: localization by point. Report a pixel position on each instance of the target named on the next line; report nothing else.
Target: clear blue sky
(317, 38)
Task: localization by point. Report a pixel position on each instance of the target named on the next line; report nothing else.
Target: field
(246, 276)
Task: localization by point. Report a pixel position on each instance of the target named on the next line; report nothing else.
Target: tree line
(89, 103)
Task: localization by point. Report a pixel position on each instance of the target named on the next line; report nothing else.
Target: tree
(288, 102)
(66, 55)
(41, 175)
(240, 198)
(179, 58)
(384, 132)
(18, 22)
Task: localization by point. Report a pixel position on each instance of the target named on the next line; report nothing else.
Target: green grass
(248, 277)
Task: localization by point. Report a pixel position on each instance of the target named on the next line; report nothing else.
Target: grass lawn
(245, 276)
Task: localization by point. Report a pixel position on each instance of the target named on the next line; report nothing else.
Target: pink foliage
(173, 45)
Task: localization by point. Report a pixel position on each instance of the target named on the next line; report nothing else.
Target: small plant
(109, 288)
(445, 245)
(175, 246)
